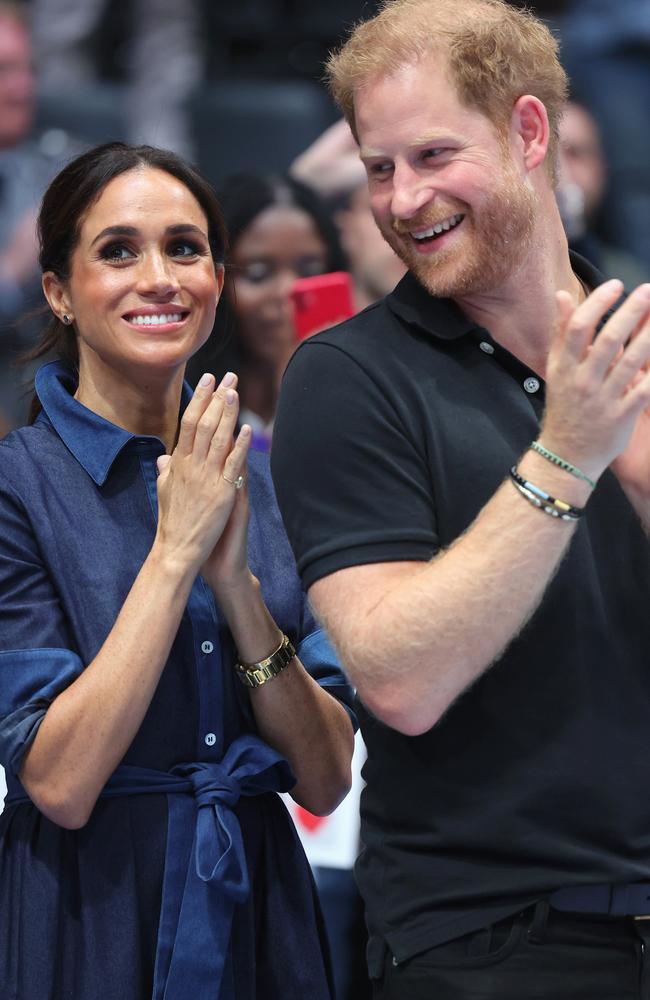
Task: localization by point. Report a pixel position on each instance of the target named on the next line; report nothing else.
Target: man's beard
(493, 246)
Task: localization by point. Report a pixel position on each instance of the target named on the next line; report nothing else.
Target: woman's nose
(158, 277)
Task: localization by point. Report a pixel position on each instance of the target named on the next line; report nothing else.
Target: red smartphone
(321, 301)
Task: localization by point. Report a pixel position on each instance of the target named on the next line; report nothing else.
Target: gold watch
(255, 674)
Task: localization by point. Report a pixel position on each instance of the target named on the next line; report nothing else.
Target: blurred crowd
(236, 88)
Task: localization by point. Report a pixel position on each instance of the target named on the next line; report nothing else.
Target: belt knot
(211, 784)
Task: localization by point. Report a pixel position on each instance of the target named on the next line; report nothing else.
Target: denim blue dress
(188, 882)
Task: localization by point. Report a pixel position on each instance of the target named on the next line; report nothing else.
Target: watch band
(255, 674)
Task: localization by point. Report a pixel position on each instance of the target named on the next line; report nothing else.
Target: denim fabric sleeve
(36, 658)
(317, 655)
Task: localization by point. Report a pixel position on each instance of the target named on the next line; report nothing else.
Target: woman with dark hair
(152, 701)
(279, 230)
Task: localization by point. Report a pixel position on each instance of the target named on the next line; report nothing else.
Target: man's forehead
(403, 109)
(412, 83)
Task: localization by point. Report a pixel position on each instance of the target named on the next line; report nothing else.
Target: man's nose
(411, 192)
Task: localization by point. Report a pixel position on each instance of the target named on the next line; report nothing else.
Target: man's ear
(57, 296)
(530, 130)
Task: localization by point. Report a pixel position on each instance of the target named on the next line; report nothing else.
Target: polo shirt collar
(94, 441)
(411, 302)
(444, 319)
(591, 276)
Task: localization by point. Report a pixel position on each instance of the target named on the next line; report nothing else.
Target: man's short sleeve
(349, 466)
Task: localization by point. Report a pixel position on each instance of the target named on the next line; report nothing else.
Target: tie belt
(205, 863)
(622, 900)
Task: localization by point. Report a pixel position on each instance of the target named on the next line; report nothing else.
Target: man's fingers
(637, 398)
(580, 328)
(633, 361)
(628, 318)
(565, 310)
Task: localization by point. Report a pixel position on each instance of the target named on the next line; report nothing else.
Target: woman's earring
(66, 319)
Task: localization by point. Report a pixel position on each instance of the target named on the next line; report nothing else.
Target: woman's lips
(156, 320)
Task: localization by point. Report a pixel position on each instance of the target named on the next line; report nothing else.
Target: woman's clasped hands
(203, 515)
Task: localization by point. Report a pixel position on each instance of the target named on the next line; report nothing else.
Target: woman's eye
(116, 251)
(257, 271)
(310, 266)
(184, 249)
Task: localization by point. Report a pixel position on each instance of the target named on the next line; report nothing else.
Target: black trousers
(540, 954)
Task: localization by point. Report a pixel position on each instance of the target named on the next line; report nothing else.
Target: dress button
(486, 348)
(531, 384)
(210, 739)
(206, 647)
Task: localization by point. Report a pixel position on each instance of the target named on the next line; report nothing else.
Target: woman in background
(161, 676)
(279, 230)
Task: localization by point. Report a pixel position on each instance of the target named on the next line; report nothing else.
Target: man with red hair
(464, 473)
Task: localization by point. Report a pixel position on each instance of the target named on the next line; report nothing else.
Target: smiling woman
(129, 276)
(161, 675)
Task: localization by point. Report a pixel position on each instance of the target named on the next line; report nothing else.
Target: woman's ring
(237, 483)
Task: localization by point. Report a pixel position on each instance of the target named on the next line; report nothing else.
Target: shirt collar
(586, 271)
(411, 302)
(94, 441)
(442, 317)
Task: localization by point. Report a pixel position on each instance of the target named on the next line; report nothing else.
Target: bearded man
(464, 473)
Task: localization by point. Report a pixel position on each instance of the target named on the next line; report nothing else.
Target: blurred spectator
(23, 170)
(332, 166)
(375, 267)
(606, 50)
(279, 231)
(164, 60)
(27, 162)
(583, 182)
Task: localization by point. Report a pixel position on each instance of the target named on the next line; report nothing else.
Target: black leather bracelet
(540, 498)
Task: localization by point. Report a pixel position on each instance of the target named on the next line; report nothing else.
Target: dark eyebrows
(179, 230)
(186, 228)
(115, 231)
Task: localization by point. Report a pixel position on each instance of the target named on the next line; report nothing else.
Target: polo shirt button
(486, 348)
(206, 647)
(531, 384)
(210, 739)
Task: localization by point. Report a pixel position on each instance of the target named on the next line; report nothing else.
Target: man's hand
(598, 388)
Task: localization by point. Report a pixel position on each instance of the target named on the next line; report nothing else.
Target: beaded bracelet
(540, 498)
(556, 460)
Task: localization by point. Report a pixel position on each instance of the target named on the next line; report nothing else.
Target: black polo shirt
(394, 430)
